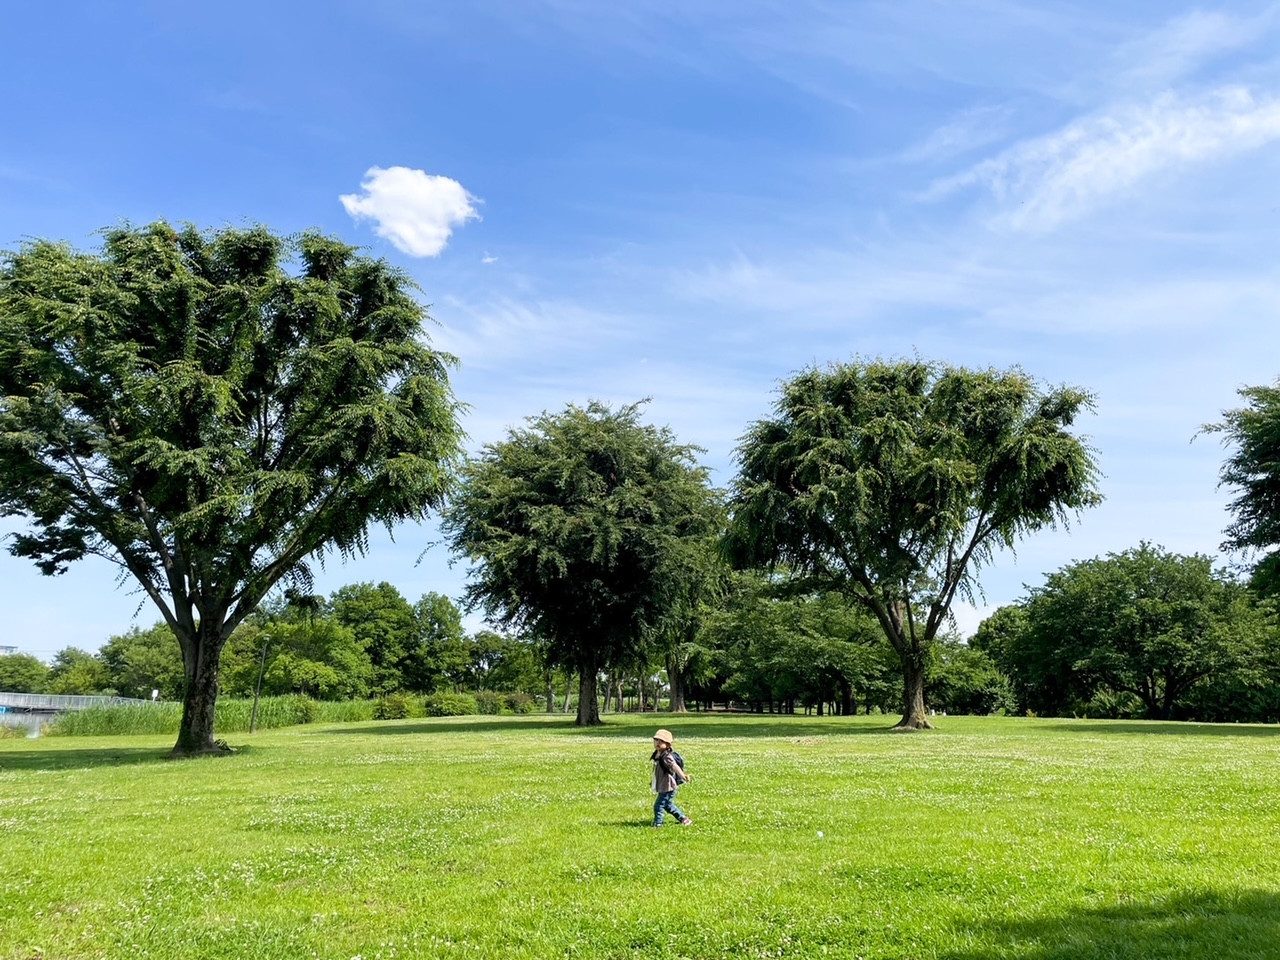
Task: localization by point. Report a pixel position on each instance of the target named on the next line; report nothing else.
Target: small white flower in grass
(819, 834)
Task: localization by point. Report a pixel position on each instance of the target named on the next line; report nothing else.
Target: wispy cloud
(546, 334)
(1042, 182)
(968, 131)
(415, 210)
(1185, 44)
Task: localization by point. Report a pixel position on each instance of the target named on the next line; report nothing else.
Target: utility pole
(262, 666)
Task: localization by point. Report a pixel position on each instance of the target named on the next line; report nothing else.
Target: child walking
(667, 777)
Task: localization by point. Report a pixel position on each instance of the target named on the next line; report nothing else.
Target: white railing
(55, 703)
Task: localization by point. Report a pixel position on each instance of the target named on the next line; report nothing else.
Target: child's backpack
(680, 763)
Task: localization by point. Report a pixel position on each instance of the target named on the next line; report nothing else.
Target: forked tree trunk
(913, 716)
(200, 657)
(588, 704)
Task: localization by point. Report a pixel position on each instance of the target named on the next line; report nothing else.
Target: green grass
(523, 837)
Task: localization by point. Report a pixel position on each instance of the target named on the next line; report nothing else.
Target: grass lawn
(523, 837)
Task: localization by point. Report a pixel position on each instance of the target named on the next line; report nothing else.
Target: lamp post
(262, 666)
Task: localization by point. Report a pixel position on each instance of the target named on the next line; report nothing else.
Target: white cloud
(972, 129)
(1187, 42)
(1048, 180)
(415, 210)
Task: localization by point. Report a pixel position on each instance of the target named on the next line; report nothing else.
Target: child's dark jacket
(665, 772)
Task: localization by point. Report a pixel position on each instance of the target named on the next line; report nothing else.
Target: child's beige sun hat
(665, 736)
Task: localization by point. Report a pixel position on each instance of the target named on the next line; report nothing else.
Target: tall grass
(231, 716)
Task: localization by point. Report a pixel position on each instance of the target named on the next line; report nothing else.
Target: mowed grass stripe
(523, 837)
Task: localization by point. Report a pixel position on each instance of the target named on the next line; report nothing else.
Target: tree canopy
(1144, 622)
(22, 673)
(1253, 470)
(584, 528)
(212, 410)
(896, 481)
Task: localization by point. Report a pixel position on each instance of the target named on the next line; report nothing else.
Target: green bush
(451, 705)
(489, 702)
(394, 706)
(302, 709)
(519, 702)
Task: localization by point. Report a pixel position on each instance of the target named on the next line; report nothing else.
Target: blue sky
(690, 202)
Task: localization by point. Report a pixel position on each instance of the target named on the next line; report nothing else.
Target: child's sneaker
(686, 822)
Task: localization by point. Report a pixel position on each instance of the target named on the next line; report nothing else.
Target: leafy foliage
(582, 527)
(1145, 622)
(76, 672)
(780, 648)
(23, 673)
(446, 704)
(440, 656)
(189, 409)
(140, 661)
(382, 624)
(1253, 469)
(393, 706)
(895, 482)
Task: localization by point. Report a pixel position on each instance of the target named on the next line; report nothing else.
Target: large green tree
(1144, 622)
(895, 481)
(211, 410)
(1253, 471)
(22, 673)
(441, 656)
(76, 672)
(140, 661)
(581, 528)
(384, 625)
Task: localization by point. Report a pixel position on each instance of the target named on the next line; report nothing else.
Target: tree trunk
(588, 704)
(551, 694)
(200, 696)
(674, 674)
(913, 717)
(568, 691)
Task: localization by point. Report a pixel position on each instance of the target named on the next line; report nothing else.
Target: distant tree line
(1140, 634)
(364, 640)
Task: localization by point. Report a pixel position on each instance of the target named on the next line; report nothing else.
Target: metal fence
(52, 703)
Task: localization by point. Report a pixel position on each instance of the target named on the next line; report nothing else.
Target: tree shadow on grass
(80, 758)
(636, 726)
(1166, 727)
(1211, 925)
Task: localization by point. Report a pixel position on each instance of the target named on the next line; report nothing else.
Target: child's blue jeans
(666, 803)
